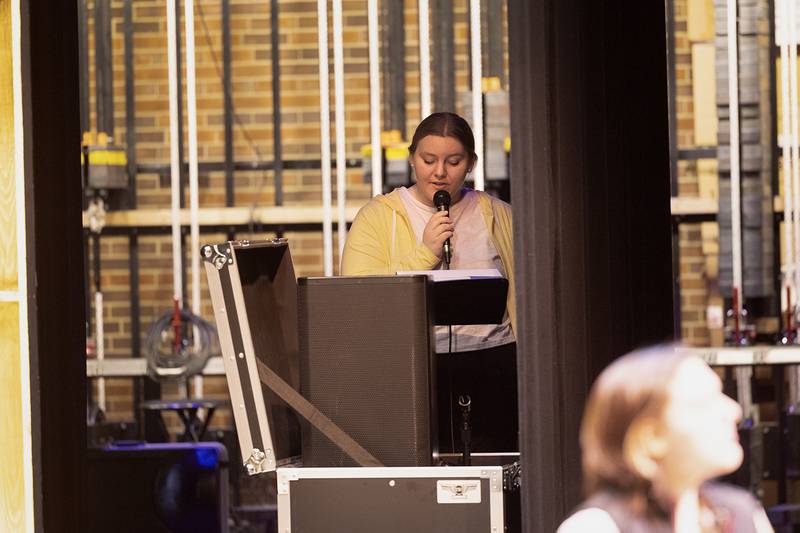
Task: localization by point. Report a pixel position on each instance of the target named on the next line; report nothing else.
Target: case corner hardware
(216, 256)
(255, 463)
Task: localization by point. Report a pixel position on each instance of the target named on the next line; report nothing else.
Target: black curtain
(56, 313)
(591, 193)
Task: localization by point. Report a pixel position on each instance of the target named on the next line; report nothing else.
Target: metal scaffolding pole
(194, 193)
(325, 137)
(174, 142)
(339, 125)
(477, 89)
(424, 58)
(375, 97)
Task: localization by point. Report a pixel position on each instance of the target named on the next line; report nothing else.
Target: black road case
(465, 499)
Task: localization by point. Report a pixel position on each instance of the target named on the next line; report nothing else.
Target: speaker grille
(365, 361)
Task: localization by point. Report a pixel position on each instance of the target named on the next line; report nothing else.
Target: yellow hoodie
(382, 241)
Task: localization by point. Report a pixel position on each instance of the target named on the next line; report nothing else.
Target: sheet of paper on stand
(449, 275)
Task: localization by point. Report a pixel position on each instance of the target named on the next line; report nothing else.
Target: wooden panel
(704, 88)
(700, 20)
(8, 240)
(12, 487)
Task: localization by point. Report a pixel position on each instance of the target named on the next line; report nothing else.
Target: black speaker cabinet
(366, 361)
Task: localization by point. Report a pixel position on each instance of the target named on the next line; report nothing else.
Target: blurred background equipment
(170, 488)
(179, 344)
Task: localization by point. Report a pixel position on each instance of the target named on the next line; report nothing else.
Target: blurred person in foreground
(657, 430)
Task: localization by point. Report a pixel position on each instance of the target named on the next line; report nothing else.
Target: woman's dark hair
(445, 125)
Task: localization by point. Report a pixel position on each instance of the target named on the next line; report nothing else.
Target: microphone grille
(441, 198)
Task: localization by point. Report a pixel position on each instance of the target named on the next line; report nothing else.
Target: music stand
(464, 297)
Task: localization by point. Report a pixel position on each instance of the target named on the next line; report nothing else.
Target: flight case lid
(254, 295)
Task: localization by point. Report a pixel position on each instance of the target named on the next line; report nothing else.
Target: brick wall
(252, 98)
(696, 126)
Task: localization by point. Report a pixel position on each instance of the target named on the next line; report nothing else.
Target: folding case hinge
(218, 255)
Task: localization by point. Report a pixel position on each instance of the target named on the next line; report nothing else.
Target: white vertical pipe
(194, 200)
(174, 136)
(424, 59)
(325, 137)
(744, 392)
(339, 125)
(374, 97)
(742, 373)
(733, 98)
(788, 193)
(477, 89)
(794, 370)
(793, 146)
(100, 347)
(794, 389)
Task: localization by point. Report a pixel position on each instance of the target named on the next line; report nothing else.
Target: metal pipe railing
(424, 58)
(325, 137)
(477, 89)
(375, 97)
(339, 124)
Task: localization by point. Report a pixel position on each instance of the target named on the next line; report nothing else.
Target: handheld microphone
(442, 202)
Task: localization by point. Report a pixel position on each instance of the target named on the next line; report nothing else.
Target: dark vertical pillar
(183, 172)
(56, 316)
(96, 262)
(83, 64)
(393, 64)
(676, 278)
(443, 56)
(227, 92)
(130, 103)
(135, 318)
(469, 42)
(277, 149)
(97, 287)
(671, 102)
(773, 104)
(779, 383)
(592, 243)
(184, 284)
(87, 280)
(550, 257)
(104, 79)
(778, 373)
(492, 37)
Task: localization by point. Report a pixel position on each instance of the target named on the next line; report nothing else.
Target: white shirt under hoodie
(472, 248)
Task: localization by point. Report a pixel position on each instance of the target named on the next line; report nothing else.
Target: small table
(187, 410)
